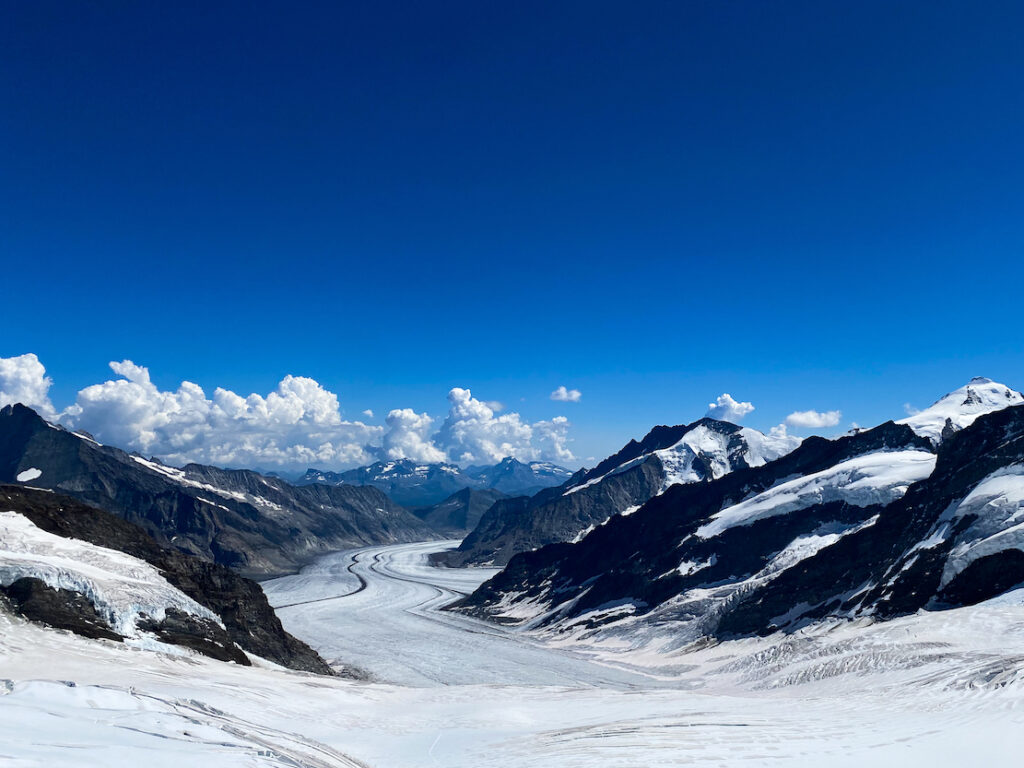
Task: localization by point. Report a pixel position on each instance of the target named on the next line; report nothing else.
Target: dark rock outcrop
(58, 608)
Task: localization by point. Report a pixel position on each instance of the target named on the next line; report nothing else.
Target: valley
(379, 609)
(941, 686)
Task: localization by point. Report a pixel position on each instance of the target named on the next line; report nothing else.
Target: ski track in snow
(932, 690)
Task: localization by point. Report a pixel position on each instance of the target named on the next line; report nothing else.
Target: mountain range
(255, 524)
(703, 530)
(687, 453)
(415, 484)
(923, 513)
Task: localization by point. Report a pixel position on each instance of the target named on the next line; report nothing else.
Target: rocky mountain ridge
(872, 525)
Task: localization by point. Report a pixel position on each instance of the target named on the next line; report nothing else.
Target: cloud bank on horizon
(298, 425)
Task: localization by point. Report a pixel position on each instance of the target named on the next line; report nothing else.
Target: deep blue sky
(808, 205)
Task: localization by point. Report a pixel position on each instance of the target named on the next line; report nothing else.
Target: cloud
(23, 380)
(911, 410)
(814, 419)
(564, 395)
(408, 437)
(297, 425)
(551, 437)
(495, 405)
(473, 434)
(725, 408)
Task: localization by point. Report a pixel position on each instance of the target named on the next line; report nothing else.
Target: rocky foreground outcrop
(249, 623)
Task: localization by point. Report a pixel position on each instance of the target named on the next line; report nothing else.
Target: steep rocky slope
(877, 524)
(688, 453)
(255, 524)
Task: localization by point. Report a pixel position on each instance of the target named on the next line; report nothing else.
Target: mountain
(257, 525)
(873, 525)
(961, 407)
(515, 478)
(687, 453)
(460, 512)
(405, 482)
(74, 567)
(413, 484)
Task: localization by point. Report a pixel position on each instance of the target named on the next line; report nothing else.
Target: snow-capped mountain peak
(704, 450)
(961, 407)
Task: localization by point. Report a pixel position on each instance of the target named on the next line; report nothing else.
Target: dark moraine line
(357, 590)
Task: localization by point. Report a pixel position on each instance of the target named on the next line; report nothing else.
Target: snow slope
(962, 406)
(876, 478)
(932, 690)
(121, 587)
(716, 451)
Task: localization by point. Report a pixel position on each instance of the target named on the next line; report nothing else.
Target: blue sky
(807, 205)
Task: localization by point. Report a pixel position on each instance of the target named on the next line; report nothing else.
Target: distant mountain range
(923, 513)
(414, 484)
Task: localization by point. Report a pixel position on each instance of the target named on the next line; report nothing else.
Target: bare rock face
(461, 512)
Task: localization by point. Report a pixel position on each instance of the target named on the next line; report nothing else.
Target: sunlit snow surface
(962, 407)
(875, 478)
(121, 587)
(931, 690)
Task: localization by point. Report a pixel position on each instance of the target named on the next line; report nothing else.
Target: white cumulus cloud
(563, 395)
(473, 434)
(368, 413)
(814, 419)
(23, 380)
(297, 425)
(726, 408)
(408, 437)
(551, 438)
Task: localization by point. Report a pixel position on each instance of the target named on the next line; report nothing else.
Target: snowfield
(936, 689)
(876, 478)
(962, 407)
